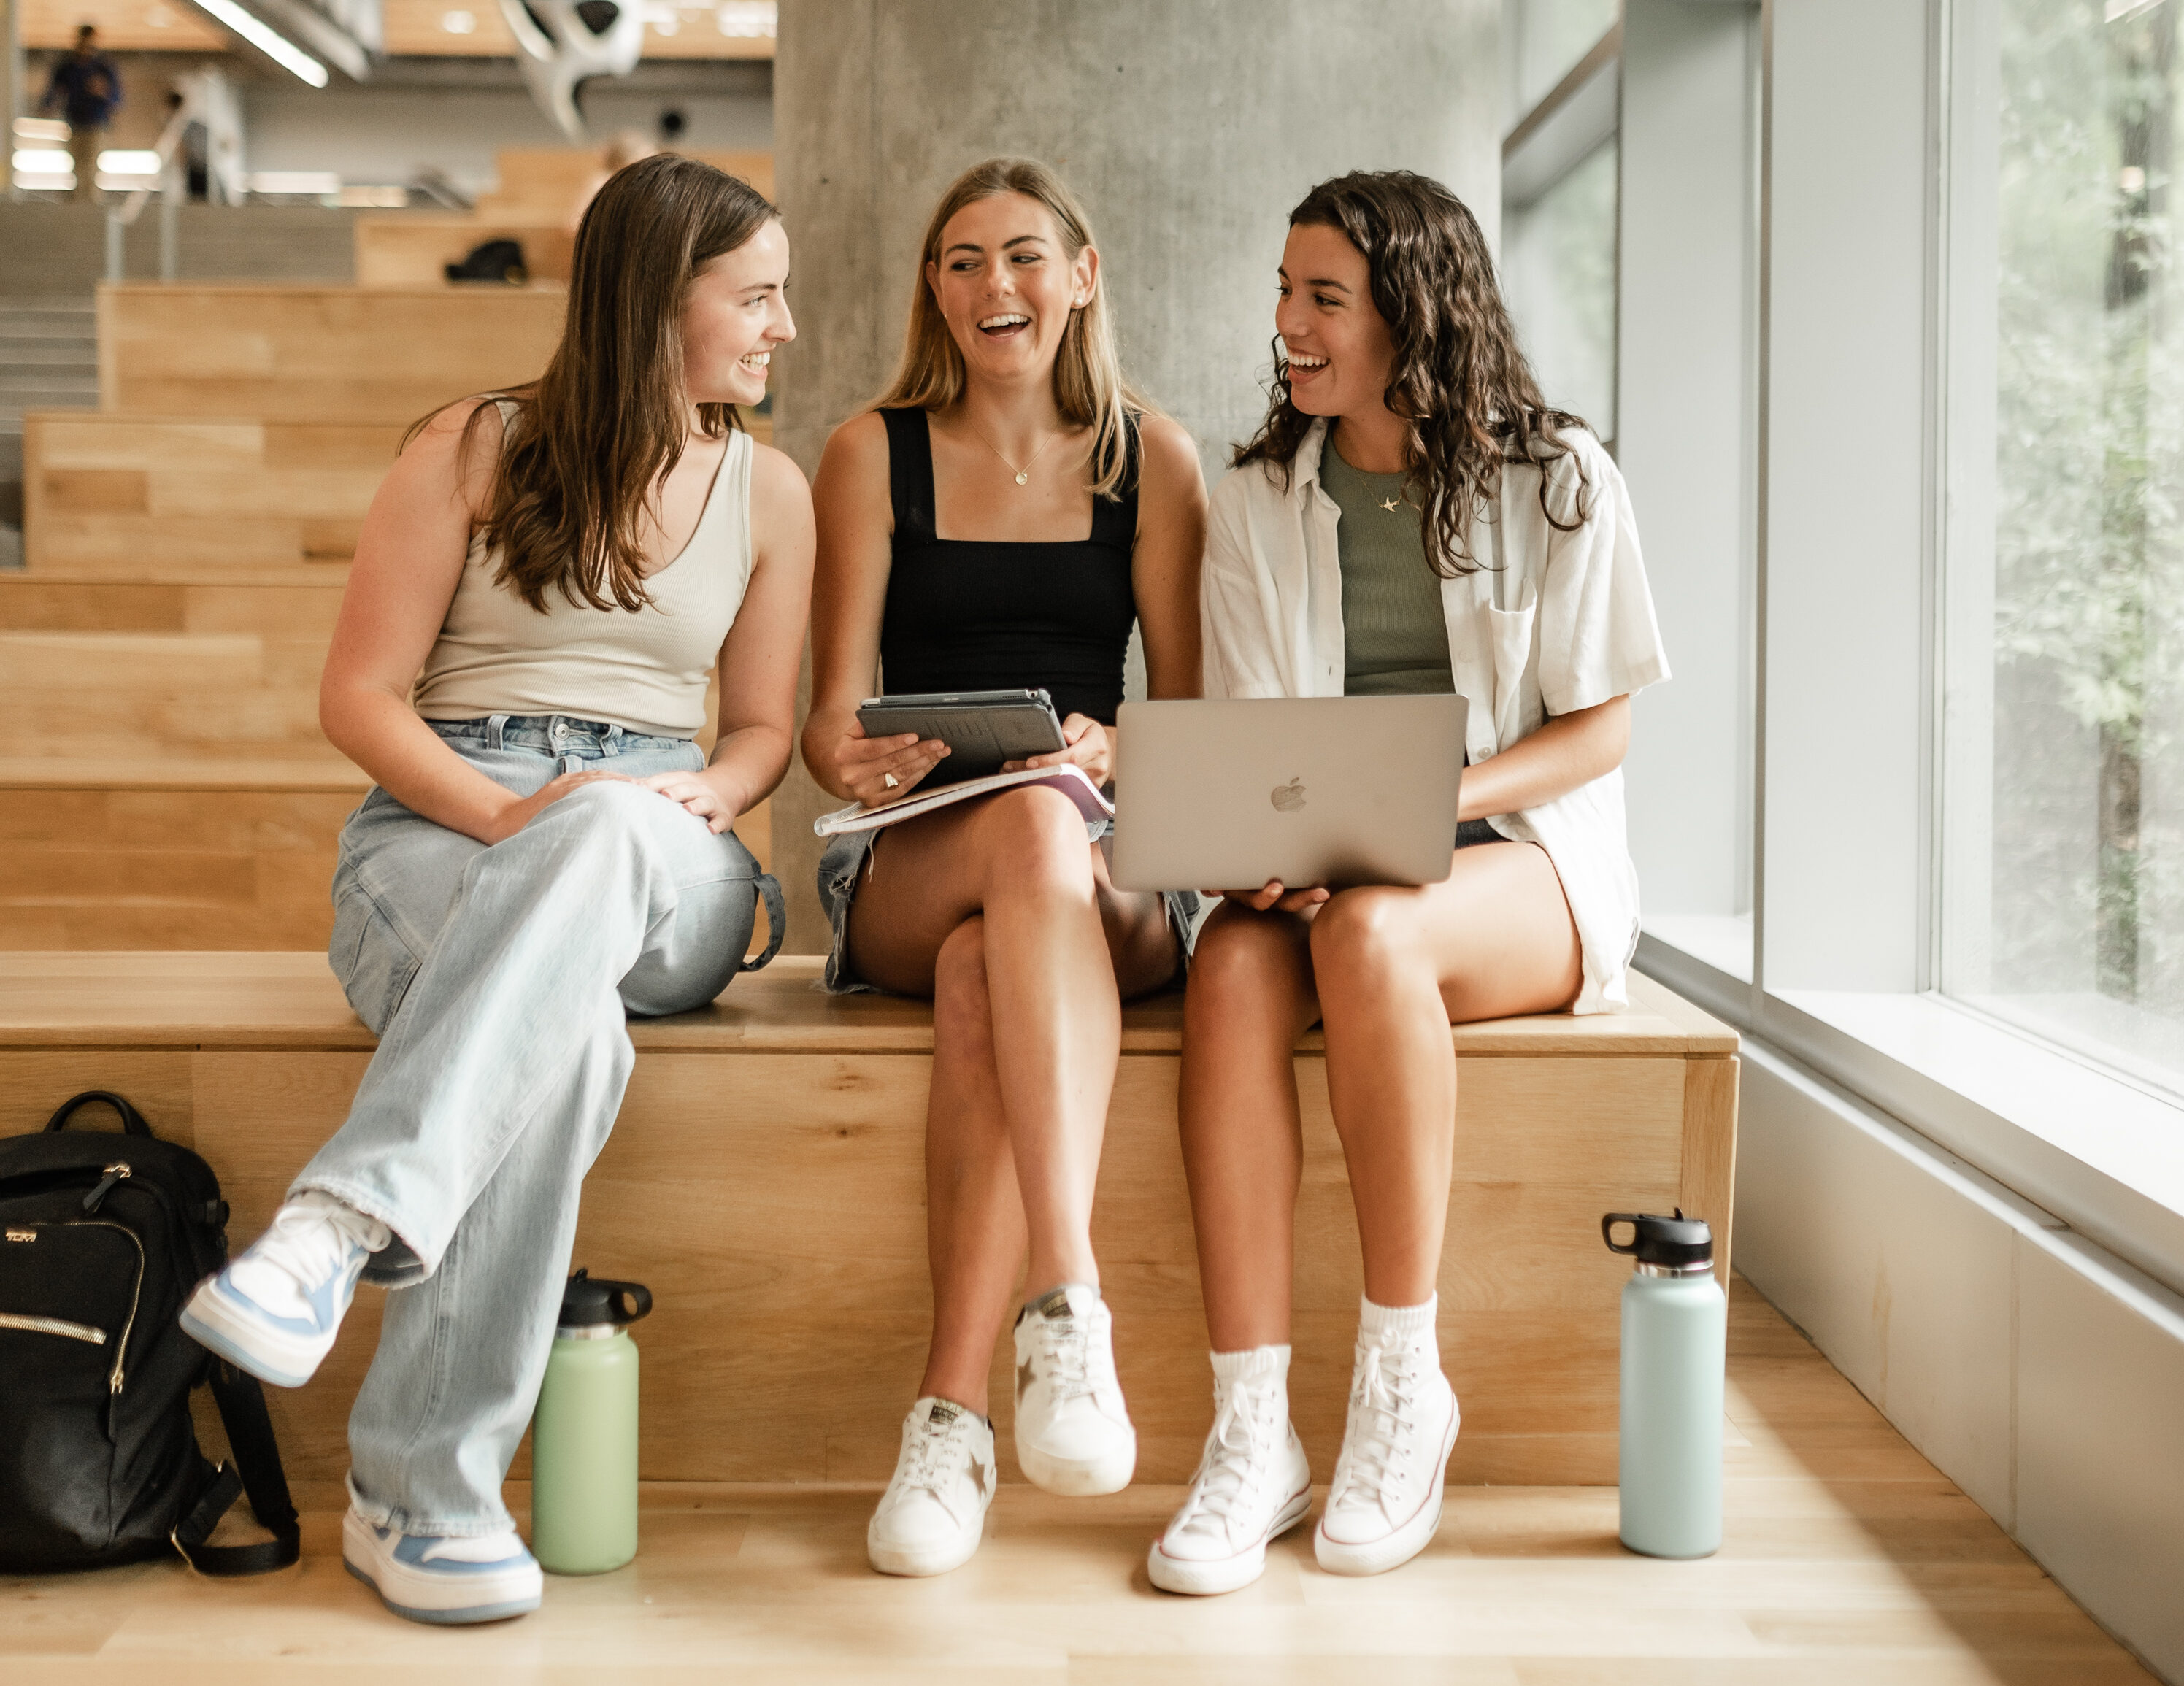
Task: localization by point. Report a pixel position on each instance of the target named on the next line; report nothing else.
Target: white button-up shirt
(1561, 621)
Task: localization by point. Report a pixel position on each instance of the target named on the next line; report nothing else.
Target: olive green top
(1395, 641)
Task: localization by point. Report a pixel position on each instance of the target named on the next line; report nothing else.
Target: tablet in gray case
(981, 729)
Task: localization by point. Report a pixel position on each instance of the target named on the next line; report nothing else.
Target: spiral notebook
(1070, 781)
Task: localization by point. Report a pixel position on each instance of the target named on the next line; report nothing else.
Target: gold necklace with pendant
(1023, 474)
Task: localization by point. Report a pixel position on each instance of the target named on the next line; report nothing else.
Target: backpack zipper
(116, 1172)
(54, 1326)
(114, 1382)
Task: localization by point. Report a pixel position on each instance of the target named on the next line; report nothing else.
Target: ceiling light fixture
(278, 47)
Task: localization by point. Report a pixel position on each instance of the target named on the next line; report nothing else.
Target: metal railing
(172, 188)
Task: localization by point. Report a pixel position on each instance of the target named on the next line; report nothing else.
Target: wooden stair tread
(257, 999)
(117, 574)
(55, 773)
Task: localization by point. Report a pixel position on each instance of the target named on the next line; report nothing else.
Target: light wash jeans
(498, 979)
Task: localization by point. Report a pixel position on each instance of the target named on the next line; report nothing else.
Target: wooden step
(160, 855)
(223, 853)
(766, 1181)
(302, 603)
(272, 353)
(107, 490)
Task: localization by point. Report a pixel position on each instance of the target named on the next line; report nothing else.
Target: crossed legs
(1003, 914)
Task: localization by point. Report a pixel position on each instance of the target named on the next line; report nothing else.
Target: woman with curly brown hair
(1412, 517)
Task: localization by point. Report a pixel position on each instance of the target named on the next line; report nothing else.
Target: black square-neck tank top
(1001, 615)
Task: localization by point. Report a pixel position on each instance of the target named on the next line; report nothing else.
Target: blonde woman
(1000, 518)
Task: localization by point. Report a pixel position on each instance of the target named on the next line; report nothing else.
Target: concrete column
(1189, 130)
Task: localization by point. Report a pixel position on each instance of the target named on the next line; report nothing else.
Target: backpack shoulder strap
(255, 1470)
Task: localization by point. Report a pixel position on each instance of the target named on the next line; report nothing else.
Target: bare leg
(1250, 997)
(1394, 967)
(1388, 971)
(924, 922)
(974, 1221)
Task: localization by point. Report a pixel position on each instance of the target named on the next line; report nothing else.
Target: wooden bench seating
(767, 1180)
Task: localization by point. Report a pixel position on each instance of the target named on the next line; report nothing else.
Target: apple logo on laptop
(1288, 798)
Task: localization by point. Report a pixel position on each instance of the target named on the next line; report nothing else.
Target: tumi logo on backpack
(98, 1460)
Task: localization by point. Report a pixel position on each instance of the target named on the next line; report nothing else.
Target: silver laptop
(1313, 790)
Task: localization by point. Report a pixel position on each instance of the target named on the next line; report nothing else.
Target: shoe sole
(1377, 1557)
(1079, 1478)
(922, 1560)
(522, 1603)
(1228, 1574)
(208, 1319)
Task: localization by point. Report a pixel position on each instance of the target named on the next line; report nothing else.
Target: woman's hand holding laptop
(1274, 893)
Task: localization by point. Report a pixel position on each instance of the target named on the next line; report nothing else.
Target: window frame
(1869, 300)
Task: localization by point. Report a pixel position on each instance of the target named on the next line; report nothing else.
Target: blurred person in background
(86, 87)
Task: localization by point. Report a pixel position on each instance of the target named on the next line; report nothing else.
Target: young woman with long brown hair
(545, 584)
(954, 555)
(1453, 534)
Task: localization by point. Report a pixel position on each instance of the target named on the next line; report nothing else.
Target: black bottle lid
(1677, 1242)
(591, 1302)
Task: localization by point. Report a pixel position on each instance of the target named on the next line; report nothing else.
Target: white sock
(1399, 1325)
(1259, 1366)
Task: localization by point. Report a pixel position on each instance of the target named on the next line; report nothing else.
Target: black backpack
(102, 1238)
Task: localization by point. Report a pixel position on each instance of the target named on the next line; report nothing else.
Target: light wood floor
(1848, 1559)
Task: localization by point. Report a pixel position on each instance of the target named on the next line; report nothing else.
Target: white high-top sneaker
(275, 1310)
(934, 1513)
(1073, 1433)
(1384, 1503)
(1253, 1483)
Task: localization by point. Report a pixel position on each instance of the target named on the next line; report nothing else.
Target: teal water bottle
(583, 1435)
(1675, 1343)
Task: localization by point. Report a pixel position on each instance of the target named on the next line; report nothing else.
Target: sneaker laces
(1065, 1355)
(316, 1239)
(1383, 1419)
(1238, 1456)
(934, 1454)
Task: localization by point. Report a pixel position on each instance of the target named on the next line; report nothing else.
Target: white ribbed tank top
(646, 672)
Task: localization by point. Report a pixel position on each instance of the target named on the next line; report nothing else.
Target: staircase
(48, 360)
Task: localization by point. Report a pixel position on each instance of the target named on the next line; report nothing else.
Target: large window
(2063, 817)
(1558, 256)
(1544, 40)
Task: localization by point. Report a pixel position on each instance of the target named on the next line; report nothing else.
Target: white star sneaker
(1253, 1483)
(1383, 1506)
(449, 1582)
(1073, 1433)
(934, 1512)
(274, 1310)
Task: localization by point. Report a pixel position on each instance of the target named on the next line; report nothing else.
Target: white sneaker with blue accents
(488, 1577)
(274, 1311)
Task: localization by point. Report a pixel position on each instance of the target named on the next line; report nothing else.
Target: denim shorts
(844, 864)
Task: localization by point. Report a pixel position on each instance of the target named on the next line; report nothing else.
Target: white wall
(2041, 1374)
(1686, 404)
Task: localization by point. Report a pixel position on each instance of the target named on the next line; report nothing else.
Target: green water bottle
(583, 1435)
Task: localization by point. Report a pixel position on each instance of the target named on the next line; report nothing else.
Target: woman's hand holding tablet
(876, 769)
(1086, 743)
